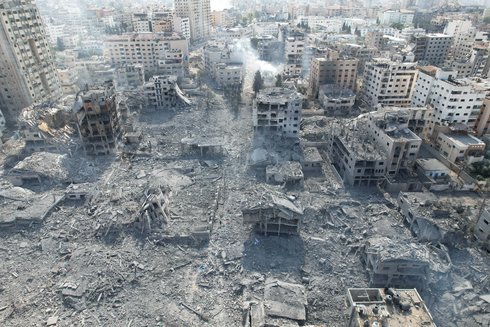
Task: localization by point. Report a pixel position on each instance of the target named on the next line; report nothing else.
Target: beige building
(27, 72)
(338, 71)
(147, 49)
(199, 14)
(68, 79)
(388, 82)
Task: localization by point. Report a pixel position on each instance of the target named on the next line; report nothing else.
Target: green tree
(278, 80)
(398, 26)
(258, 82)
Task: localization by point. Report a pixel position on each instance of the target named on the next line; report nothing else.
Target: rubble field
(155, 237)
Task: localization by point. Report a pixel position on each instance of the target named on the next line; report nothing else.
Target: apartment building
(27, 72)
(432, 49)
(366, 150)
(278, 110)
(141, 22)
(390, 17)
(454, 100)
(162, 21)
(294, 48)
(68, 81)
(182, 25)
(339, 71)
(147, 49)
(482, 125)
(388, 82)
(457, 146)
(223, 61)
(463, 33)
(199, 14)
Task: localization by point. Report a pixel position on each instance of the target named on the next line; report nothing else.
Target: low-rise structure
(273, 213)
(312, 161)
(289, 173)
(403, 263)
(333, 98)
(386, 307)
(456, 145)
(278, 110)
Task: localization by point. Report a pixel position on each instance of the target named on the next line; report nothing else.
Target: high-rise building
(27, 72)
(199, 14)
(341, 72)
(432, 49)
(388, 82)
(152, 50)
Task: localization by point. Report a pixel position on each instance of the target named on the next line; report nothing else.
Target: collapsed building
(129, 76)
(433, 220)
(100, 119)
(278, 111)
(386, 307)
(163, 92)
(403, 263)
(21, 207)
(273, 213)
(289, 173)
(283, 304)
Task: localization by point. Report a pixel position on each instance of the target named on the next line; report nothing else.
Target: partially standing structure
(278, 111)
(273, 213)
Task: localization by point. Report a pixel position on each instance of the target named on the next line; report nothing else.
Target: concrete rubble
(155, 235)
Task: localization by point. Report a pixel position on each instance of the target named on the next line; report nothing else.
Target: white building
(199, 14)
(27, 72)
(141, 22)
(454, 101)
(223, 61)
(147, 49)
(182, 25)
(294, 47)
(389, 17)
(463, 34)
(388, 82)
(228, 74)
(458, 147)
(278, 110)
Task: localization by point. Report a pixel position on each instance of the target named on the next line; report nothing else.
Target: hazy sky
(220, 4)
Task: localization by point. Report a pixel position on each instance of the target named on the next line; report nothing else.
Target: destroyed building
(129, 76)
(283, 304)
(369, 307)
(334, 98)
(24, 207)
(273, 213)
(99, 119)
(403, 263)
(163, 92)
(433, 220)
(278, 111)
(482, 228)
(289, 173)
(312, 161)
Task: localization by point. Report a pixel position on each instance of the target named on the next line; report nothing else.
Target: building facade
(199, 14)
(278, 110)
(27, 72)
(339, 72)
(388, 82)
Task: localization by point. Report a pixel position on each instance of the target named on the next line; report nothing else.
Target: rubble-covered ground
(92, 264)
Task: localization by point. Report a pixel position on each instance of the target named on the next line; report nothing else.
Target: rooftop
(463, 139)
(388, 307)
(431, 164)
(278, 94)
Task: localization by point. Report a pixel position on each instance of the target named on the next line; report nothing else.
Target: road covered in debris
(155, 237)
